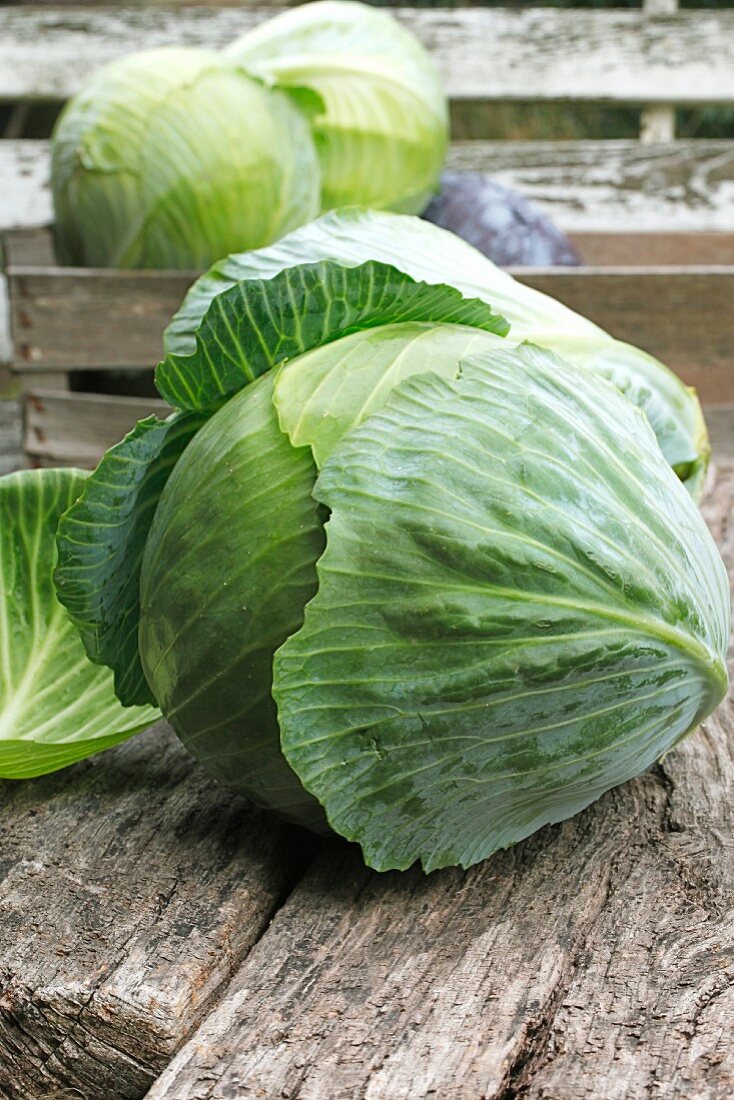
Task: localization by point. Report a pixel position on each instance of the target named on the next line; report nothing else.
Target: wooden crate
(652, 219)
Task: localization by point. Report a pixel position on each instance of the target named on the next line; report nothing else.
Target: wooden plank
(585, 186)
(44, 380)
(594, 960)
(680, 315)
(25, 198)
(75, 429)
(132, 887)
(618, 249)
(538, 54)
(720, 423)
(77, 319)
(10, 436)
(29, 247)
(588, 186)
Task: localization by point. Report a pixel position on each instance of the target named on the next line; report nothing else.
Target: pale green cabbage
(382, 132)
(171, 157)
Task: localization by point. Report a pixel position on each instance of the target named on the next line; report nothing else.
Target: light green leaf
(228, 569)
(671, 407)
(260, 323)
(518, 607)
(55, 706)
(101, 541)
(172, 157)
(322, 394)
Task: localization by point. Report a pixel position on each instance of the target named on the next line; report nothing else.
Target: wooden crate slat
(25, 198)
(615, 185)
(720, 423)
(75, 429)
(132, 886)
(618, 249)
(536, 54)
(685, 186)
(682, 315)
(77, 319)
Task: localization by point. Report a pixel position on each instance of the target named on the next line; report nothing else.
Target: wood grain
(75, 429)
(536, 54)
(594, 960)
(586, 186)
(131, 888)
(84, 318)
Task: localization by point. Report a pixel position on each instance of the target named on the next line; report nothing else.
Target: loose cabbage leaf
(431, 254)
(258, 323)
(518, 607)
(351, 237)
(56, 706)
(101, 540)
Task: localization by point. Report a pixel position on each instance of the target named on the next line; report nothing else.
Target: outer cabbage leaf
(423, 251)
(55, 706)
(431, 254)
(228, 568)
(518, 607)
(382, 132)
(172, 157)
(101, 540)
(231, 558)
(671, 407)
(258, 323)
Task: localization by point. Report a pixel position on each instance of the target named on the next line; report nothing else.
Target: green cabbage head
(174, 157)
(171, 157)
(382, 130)
(392, 572)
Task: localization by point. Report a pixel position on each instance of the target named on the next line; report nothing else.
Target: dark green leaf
(101, 541)
(258, 323)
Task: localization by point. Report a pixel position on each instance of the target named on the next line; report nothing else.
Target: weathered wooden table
(158, 934)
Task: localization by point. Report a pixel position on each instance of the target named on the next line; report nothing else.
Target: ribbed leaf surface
(55, 705)
(259, 323)
(101, 541)
(518, 608)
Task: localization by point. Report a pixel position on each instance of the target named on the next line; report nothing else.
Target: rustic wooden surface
(131, 890)
(584, 185)
(75, 429)
(538, 54)
(618, 185)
